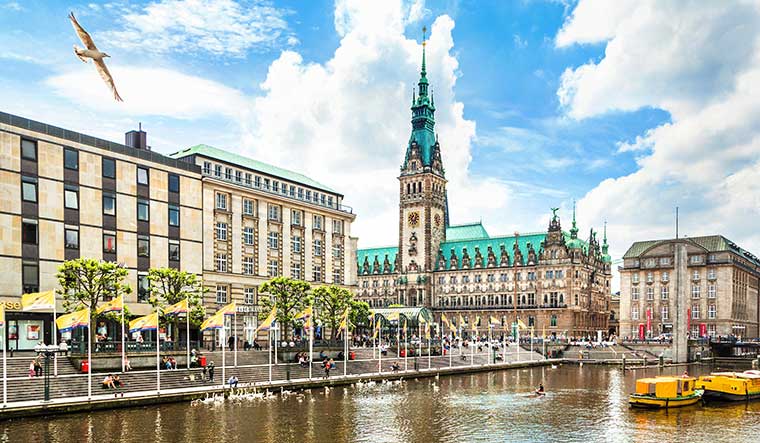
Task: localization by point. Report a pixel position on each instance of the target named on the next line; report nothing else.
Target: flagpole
(55, 340)
(505, 346)
(5, 369)
(234, 328)
(398, 337)
(531, 343)
(379, 353)
(223, 338)
(123, 348)
(270, 353)
(311, 343)
(345, 346)
(419, 333)
(472, 352)
(89, 355)
(430, 343)
(158, 355)
(187, 331)
(406, 344)
(490, 340)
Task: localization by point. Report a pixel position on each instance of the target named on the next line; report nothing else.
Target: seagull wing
(83, 35)
(106, 76)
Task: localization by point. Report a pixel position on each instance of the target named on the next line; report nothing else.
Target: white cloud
(219, 27)
(13, 6)
(149, 91)
(520, 43)
(346, 122)
(701, 63)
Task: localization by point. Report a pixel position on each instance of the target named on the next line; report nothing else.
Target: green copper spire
(605, 246)
(574, 229)
(423, 116)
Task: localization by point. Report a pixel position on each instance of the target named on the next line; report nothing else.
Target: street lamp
(47, 352)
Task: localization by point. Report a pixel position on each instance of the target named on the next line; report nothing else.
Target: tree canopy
(288, 295)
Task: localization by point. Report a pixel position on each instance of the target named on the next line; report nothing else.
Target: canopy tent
(409, 313)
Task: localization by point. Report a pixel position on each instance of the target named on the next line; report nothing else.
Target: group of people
(303, 359)
(169, 363)
(113, 382)
(328, 364)
(35, 368)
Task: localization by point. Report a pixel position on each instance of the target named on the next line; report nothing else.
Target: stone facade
(550, 280)
(719, 283)
(261, 222)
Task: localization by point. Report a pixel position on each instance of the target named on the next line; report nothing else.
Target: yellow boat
(731, 386)
(665, 392)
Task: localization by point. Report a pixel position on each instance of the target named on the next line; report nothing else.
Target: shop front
(25, 330)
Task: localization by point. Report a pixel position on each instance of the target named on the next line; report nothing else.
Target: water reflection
(583, 405)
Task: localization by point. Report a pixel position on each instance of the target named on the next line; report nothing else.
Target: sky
(630, 108)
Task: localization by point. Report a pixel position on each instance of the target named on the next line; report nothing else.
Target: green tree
(359, 314)
(169, 286)
(288, 295)
(85, 283)
(331, 302)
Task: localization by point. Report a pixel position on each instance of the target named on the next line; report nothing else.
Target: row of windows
(478, 278)
(29, 194)
(249, 294)
(696, 292)
(274, 213)
(712, 312)
(712, 274)
(267, 184)
(273, 240)
(71, 162)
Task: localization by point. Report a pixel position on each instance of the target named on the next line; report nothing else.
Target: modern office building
(551, 280)
(65, 195)
(708, 286)
(259, 222)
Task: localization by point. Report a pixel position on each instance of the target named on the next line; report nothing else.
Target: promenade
(68, 391)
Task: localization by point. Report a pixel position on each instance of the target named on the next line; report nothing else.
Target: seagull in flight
(93, 53)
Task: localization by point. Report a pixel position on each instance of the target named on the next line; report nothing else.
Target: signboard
(642, 332)
(702, 329)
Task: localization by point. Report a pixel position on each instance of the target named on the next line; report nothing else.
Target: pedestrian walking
(211, 370)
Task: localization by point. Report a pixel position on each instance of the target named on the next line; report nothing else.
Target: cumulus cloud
(347, 121)
(218, 27)
(149, 91)
(701, 63)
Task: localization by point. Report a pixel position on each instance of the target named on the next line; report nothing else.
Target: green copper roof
(495, 243)
(371, 254)
(229, 157)
(466, 232)
(712, 243)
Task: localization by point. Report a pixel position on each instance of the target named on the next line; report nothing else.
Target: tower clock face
(414, 219)
(437, 220)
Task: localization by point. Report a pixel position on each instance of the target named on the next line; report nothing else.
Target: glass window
(221, 262)
(221, 201)
(275, 186)
(218, 170)
(173, 215)
(292, 191)
(143, 210)
(711, 312)
(248, 206)
(248, 178)
(295, 217)
(274, 212)
(221, 294)
(695, 312)
(664, 292)
(109, 243)
(635, 293)
(300, 193)
(28, 150)
(296, 244)
(295, 271)
(317, 248)
(174, 251)
(30, 277)
(248, 235)
(272, 268)
(257, 182)
(173, 183)
(317, 273)
(109, 168)
(249, 296)
(71, 199)
(238, 176)
(207, 167)
(72, 239)
(273, 240)
(228, 173)
(665, 313)
(221, 231)
(248, 265)
(711, 291)
(318, 221)
(143, 288)
(70, 159)
(29, 190)
(109, 204)
(29, 233)
(143, 247)
(142, 176)
(695, 291)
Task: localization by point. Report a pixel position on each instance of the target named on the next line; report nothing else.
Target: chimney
(137, 139)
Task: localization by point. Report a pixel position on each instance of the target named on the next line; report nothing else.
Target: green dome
(575, 243)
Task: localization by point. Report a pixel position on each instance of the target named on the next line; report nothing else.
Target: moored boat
(665, 392)
(731, 386)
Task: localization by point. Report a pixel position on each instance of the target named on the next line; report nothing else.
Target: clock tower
(422, 200)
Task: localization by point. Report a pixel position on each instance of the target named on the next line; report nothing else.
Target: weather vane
(424, 31)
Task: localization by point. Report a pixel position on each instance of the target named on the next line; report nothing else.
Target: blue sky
(539, 102)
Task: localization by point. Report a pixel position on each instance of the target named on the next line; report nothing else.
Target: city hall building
(551, 280)
(710, 288)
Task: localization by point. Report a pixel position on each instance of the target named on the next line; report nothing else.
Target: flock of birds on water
(251, 395)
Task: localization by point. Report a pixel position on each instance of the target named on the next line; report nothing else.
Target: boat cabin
(666, 387)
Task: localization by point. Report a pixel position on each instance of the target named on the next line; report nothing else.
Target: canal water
(584, 404)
